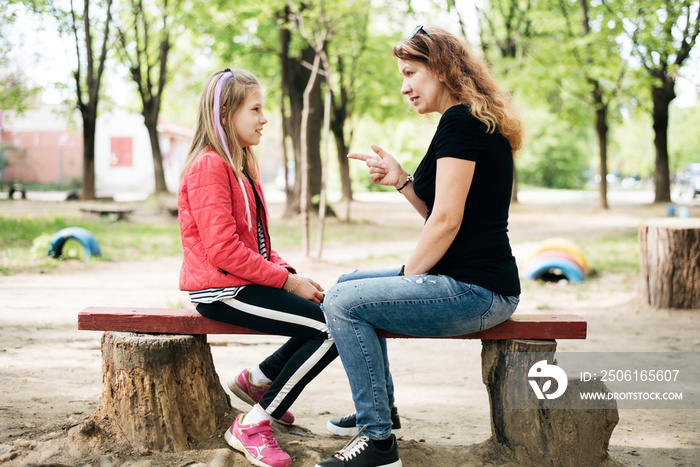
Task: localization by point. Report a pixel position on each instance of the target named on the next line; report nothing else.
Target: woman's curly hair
(467, 77)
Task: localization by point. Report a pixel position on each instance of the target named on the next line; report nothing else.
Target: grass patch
(24, 242)
(613, 254)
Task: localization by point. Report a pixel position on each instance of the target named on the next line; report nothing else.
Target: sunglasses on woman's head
(419, 29)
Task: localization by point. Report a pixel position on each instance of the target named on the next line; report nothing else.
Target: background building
(44, 146)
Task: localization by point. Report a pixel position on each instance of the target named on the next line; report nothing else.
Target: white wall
(136, 179)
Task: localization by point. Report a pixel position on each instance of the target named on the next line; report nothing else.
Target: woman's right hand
(384, 169)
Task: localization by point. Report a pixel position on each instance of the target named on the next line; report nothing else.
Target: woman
(231, 271)
(462, 276)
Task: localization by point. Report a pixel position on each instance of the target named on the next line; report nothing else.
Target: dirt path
(50, 376)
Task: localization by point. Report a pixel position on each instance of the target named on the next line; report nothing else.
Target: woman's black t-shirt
(480, 253)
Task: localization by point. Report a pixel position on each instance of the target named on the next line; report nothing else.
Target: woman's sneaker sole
(346, 426)
(363, 452)
(340, 431)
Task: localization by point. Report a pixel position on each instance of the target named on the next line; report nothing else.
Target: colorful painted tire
(560, 254)
(80, 234)
(563, 244)
(538, 267)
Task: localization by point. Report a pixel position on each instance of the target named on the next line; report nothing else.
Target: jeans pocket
(501, 309)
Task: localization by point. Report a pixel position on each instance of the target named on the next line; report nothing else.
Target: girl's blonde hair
(224, 93)
(467, 77)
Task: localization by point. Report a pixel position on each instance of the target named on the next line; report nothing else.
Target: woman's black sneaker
(347, 426)
(361, 452)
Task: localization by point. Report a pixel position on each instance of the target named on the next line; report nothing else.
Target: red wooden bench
(534, 433)
(186, 321)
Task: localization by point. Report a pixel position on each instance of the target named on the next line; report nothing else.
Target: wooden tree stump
(160, 391)
(537, 436)
(670, 262)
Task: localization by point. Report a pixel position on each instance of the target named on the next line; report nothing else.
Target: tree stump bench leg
(160, 391)
(538, 436)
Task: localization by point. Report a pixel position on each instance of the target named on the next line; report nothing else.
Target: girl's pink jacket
(219, 248)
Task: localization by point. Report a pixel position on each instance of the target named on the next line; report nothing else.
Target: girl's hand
(384, 169)
(304, 288)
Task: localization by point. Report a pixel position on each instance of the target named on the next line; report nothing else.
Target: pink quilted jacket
(219, 249)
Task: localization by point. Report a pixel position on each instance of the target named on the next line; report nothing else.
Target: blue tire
(539, 266)
(80, 234)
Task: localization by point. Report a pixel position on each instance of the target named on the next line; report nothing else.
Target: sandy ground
(50, 375)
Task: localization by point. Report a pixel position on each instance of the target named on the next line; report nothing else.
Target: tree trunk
(324, 158)
(288, 121)
(343, 164)
(540, 436)
(294, 79)
(292, 120)
(151, 122)
(670, 263)
(662, 97)
(88, 86)
(339, 116)
(88, 188)
(160, 392)
(305, 159)
(345, 181)
(601, 126)
(313, 138)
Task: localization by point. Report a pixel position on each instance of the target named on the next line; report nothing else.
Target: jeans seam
(426, 301)
(485, 314)
(370, 369)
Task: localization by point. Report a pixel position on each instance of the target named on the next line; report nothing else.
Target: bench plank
(187, 321)
(121, 212)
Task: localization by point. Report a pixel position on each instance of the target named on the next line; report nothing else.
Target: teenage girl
(231, 271)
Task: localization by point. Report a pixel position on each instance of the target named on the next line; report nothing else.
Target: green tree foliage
(571, 64)
(506, 29)
(260, 37)
(581, 68)
(145, 36)
(556, 156)
(541, 50)
(92, 34)
(663, 34)
(378, 83)
(631, 143)
(684, 138)
(15, 93)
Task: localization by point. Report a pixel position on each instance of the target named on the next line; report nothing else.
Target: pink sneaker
(257, 443)
(251, 393)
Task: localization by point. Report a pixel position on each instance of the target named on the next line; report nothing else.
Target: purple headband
(222, 137)
(223, 141)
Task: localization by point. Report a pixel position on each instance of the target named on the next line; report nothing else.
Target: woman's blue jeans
(419, 305)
